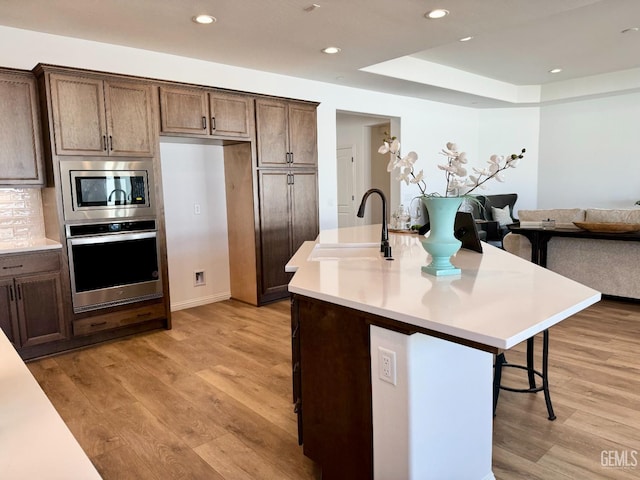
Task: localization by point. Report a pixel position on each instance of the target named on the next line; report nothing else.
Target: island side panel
(336, 389)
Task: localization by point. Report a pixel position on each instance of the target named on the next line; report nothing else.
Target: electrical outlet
(387, 365)
(196, 208)
(198, 278)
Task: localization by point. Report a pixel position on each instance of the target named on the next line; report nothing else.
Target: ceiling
(515, 42)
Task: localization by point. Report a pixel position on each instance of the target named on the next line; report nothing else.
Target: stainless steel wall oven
(113, 263)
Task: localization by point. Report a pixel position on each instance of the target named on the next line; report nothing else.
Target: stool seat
(532, 373)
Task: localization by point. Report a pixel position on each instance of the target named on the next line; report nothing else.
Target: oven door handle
(110, 238)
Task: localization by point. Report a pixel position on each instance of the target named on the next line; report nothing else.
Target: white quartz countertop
(28, 245)
(34, 441)
(498, 300)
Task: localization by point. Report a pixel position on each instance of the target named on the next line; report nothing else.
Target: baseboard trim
(196, 302)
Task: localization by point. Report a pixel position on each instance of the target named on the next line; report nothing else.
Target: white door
(346, 187)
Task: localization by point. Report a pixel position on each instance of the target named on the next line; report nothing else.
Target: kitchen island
(35, 443)
(393, 368)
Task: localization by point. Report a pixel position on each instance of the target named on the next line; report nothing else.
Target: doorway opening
(360, 166)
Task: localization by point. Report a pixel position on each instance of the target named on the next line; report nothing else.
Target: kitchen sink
(346, 251)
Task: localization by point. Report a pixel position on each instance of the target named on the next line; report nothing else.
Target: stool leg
(497, 377)
(530, 365)
(545, 381)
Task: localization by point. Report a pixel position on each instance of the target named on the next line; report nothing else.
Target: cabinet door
(274, 232)
(303, 135)
(272, 137)
(40, 309)
(20, 139)
(129, 119)
(304, 208)
(79, 119)
(8, 312)
(183, 111)
(229, 115)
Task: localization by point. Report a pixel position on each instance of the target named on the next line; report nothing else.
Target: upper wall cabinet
(286, 133)
(202, 113)
(20, 138)
(97, 117)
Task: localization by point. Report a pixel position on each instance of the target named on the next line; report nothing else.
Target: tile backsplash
(21, 215)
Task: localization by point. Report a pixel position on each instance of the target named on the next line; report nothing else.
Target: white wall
(589, 153)
(194, 174)
(507, 131)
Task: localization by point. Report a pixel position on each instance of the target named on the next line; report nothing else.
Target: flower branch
(456, 178)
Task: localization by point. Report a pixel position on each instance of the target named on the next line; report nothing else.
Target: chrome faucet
(384, 242)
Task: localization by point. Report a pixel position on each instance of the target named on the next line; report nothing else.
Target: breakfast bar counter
(34, 441)
(390, 360)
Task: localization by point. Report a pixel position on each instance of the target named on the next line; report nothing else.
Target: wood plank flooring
(211, 399)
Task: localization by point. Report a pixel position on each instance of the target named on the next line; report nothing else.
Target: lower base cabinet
(31, 307)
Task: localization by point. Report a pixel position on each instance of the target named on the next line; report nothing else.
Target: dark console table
(539, 238)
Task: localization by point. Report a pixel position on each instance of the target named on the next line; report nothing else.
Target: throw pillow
(502, 215)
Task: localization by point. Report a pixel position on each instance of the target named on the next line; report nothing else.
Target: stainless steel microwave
(96, 189)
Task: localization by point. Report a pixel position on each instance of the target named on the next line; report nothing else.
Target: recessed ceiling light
(331, 50)
(632, 29)
(465, 39)
(204, 19)
(437, 13)
(555, 70)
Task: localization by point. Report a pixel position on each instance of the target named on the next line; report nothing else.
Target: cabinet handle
(204, 123)
(19, 292)
(213, 123)
(290, 157)
(99, 324)
(11, 298)
(292, 180)
(294, 334)
(110, 143)
(104, 143)
(11, 267)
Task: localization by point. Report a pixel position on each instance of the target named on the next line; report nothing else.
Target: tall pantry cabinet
(284, 201)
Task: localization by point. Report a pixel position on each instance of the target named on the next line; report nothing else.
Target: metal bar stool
(501, 362)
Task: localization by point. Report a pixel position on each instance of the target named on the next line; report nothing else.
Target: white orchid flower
(513, 162)
(462, 157)
(452, 147)
(418, 177)
(395, 146)
(409, 159)
(447, 168)
(499, 177)
(484, 171)
(384, 148)
(405, 175)
(496, 159)
(392, 165)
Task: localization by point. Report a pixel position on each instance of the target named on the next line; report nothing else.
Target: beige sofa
(609, 266)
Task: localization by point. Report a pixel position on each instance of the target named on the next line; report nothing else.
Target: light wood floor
(211, 399)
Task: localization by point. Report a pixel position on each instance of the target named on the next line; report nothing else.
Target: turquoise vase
(441, 243)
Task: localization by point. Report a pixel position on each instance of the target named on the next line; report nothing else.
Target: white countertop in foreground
(499, 300)
(28, 245)
(34, 441)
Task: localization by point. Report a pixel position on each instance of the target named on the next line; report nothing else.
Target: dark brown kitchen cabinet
(31, 304)
(286, 133)
(288, 217)
(204, 113)
(101, 117)
(20, 137)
